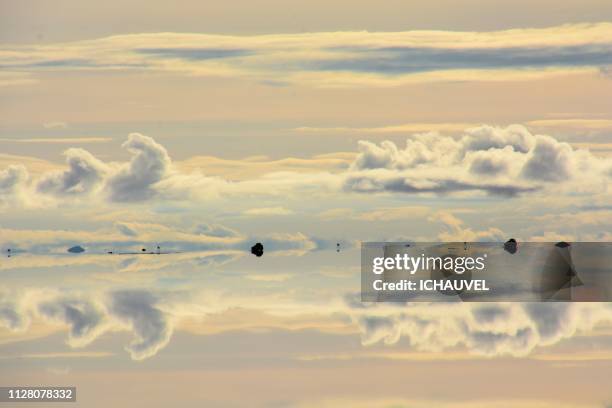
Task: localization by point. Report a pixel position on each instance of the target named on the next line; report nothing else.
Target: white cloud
(150, 164)
(13, 185)
(504, 161)
(84, 174)
(267, 211)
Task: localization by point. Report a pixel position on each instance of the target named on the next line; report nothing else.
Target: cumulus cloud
(504, 161)
(150, 326)
(491, 329)
(12, 180)
(89, 317)
(83, 317)
(12, 177)
(11, 318)
(500, 161)
(497, 329)
(135, 180)
(549, 160)
(84, 173)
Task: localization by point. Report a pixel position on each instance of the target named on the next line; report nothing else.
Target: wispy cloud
(59, 140)
(55, 125)
(264, 211)
(404, 128)
(336, 59)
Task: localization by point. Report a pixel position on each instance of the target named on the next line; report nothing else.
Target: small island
(77, 249)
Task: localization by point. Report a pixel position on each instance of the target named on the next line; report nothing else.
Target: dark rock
(257, 249)
(77, 249)
(511, 246)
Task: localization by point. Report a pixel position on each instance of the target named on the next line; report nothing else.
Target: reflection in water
(217, 317)
(152, 297)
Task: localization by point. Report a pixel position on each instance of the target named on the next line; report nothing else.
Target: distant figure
(144, 249)
(338, 247)
(257, 249)
(158, 250)
(77, 249)
(511, 246)
(9, 252)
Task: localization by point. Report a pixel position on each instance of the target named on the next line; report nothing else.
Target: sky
(206, 127)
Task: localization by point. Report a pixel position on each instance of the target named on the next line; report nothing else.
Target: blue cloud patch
(195, 54)
(406, 60)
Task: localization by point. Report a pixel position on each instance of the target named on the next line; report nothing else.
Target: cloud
(384, 181)
(151, 328)
(60, 140)
(386, 402)
(12, 178)
(55, 125)
(126, 229)
(84, 174)
(493, 329)
(403, 128)
(500, 161)
(498, 329)
(150, 163)
(90, 316)
(457, 231)
(16, 78)
(215, 230)
(414, 59)
(576, 124)
(335, 59)
(250, 167)
(13, 185)
(83, 317)
(549, 160)
(11, 318)
(265, 211)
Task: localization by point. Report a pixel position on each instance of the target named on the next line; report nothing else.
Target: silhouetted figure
(559, 275)
(144, 249)
(9, 252)
(257, 249)
(510, 246)
(338, 247)
(158, 250)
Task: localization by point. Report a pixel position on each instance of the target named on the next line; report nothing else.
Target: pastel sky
(204, 127)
